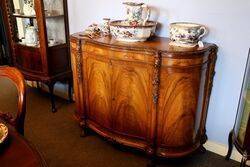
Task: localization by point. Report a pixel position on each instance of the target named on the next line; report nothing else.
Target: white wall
(229, 25)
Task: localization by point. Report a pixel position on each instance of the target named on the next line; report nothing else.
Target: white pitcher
(31, 36)
(135, 13)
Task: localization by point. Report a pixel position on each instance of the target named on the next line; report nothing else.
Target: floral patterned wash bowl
(122, 31)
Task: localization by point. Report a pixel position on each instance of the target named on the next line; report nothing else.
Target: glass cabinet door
(24, 22)
(244, 108)
(55, 22)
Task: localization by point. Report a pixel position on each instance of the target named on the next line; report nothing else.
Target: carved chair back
(17, 78)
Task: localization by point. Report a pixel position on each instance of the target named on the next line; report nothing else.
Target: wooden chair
(17, 78)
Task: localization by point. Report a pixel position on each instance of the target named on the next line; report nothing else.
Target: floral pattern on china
(122, 31)
(28, 8)
(135, 13)
(186, 34)
(135, 28)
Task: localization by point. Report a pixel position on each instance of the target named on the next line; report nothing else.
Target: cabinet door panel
(178, 119)
(99, 92)
(131, 99)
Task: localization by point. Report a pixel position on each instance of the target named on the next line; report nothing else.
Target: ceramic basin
(122, 31)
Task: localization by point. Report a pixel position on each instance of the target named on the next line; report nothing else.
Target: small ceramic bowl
(122, 31)
(186, 34)
(3, 132)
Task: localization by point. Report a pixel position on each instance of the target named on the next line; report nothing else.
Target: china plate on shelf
(3, 132)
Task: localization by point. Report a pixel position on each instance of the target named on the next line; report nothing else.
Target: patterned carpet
(57, 137)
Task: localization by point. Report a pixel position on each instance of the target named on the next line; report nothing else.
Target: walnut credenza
(146, 95)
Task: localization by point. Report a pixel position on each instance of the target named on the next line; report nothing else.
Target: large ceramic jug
(135, 13)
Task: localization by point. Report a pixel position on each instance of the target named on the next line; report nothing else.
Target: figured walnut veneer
(146, 95)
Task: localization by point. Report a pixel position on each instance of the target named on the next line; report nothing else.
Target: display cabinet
(40, 41)
(240, 135)
(147, 95)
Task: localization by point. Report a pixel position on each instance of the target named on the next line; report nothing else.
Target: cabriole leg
(70, 90)
(230, 145)
(243, 161)
(52, 99)
(202, 149)
(84, 129)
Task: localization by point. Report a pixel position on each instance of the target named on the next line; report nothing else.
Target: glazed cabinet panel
(131, 98)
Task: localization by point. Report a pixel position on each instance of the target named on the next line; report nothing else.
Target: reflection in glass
(55, 22)
(24, 16)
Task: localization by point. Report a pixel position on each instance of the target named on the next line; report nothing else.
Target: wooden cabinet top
(155, 44)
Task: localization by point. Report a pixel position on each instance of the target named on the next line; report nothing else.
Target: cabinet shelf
(30, 46)
(23, 16)
(53, 16)
(33, 17)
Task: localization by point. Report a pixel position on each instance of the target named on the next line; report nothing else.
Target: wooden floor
(57, 136)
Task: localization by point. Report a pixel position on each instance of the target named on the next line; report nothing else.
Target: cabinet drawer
(125, 55)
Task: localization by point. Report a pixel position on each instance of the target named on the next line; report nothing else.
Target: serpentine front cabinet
(146, 95)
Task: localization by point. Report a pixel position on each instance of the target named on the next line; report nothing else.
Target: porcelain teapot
(135, 13)
(31, 36)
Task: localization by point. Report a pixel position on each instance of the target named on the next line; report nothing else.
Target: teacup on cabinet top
(186, 24)
(186, 34)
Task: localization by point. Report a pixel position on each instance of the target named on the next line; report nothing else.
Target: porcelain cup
(135, 15)
(186, 34)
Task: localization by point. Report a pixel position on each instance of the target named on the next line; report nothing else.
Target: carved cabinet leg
(202, 150)
(230, 145)
(152, 162)
(84, 129)
(243, 161)
(70, 90)
(52, 99)
(38, 85)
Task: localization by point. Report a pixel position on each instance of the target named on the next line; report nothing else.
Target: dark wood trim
(4, 8)
(39, 8)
